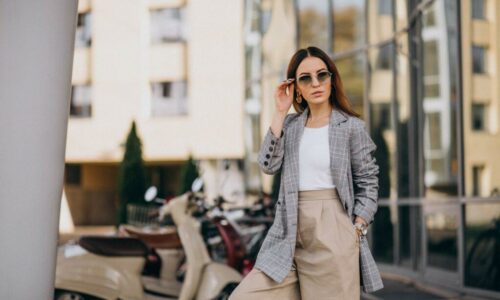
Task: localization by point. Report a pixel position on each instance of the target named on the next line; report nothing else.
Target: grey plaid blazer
(354, 172)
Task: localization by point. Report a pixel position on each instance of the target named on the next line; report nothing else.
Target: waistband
(324, 194)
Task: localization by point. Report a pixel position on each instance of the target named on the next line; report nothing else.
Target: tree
(188, 175)
(131, 177)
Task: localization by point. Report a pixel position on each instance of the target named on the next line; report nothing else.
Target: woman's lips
(316, 94)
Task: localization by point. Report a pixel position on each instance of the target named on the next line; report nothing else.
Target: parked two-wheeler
(250, 224)
(112, 267)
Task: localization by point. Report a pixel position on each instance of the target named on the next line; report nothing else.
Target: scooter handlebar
(163, 212)
(165, 209)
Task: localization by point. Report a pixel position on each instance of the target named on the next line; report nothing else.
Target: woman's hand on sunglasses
(284, 95)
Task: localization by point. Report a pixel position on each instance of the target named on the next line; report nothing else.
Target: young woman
(316, 248)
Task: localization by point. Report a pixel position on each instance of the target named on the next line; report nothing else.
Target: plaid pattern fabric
(354, 172)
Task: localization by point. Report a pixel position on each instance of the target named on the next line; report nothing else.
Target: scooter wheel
(70, 295)
(226, 292)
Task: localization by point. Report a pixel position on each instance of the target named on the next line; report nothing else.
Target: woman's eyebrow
(322, 69)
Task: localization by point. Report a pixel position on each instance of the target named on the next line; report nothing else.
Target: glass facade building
(424, 75)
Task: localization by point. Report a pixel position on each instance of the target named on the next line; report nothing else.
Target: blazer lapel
(333, 132)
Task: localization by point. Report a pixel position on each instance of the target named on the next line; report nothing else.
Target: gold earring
(299, 98)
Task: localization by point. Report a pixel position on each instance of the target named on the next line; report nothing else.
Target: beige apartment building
(174, 67)
(481, 96)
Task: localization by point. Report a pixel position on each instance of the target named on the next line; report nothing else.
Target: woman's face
(313, 80)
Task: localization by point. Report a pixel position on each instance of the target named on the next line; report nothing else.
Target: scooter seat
(166, 239)
(113, 246)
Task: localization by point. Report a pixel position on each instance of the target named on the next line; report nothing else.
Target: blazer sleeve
(364, 173)
(272, 150)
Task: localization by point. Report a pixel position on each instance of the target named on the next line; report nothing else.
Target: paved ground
(401, 290)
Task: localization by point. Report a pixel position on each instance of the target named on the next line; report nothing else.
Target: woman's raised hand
(284, 96)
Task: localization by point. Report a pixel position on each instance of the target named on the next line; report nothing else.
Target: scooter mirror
(197, 185)
(151, 193)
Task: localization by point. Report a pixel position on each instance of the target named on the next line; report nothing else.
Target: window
(384, 57)
(429, 15)
(167, 25)
(431, 69)
(169, 98)
(478, 116)
(81, 101)
(435, 127)
(83, 35)
(477, 176)
(73, 174)
(478, 9)
(442, 240)
(431, 58)
(478, 59)
(384, 7)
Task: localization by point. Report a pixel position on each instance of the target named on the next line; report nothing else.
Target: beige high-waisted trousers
(326, 260)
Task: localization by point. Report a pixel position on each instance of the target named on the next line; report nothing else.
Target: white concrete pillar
(36, 57)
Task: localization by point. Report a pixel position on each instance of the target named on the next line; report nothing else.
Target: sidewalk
(405, 289)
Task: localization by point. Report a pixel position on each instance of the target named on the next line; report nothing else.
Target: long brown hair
(338, 98)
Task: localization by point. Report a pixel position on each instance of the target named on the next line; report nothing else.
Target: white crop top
(314, 160)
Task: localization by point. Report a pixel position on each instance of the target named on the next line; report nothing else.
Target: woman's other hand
(360, 220)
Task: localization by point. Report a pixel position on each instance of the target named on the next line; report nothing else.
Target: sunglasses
(322, 77)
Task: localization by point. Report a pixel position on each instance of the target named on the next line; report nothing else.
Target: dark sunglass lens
(305, 79)
(323, 76)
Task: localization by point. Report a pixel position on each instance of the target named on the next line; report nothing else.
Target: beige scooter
(110, 268)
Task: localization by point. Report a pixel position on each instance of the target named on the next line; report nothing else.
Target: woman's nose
(315, 81)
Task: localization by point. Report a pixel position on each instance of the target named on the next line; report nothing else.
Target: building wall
(120, 64)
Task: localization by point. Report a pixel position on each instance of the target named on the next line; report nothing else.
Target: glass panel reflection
(404, 236)
(314, 22)
(380, 95)
(440, 71)
(382, 229)
(351, 71)
(348, 24)
(431, 70)
(442, 247)
(481, 115)
(404, 114)
(410, 241)
(482, 246)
